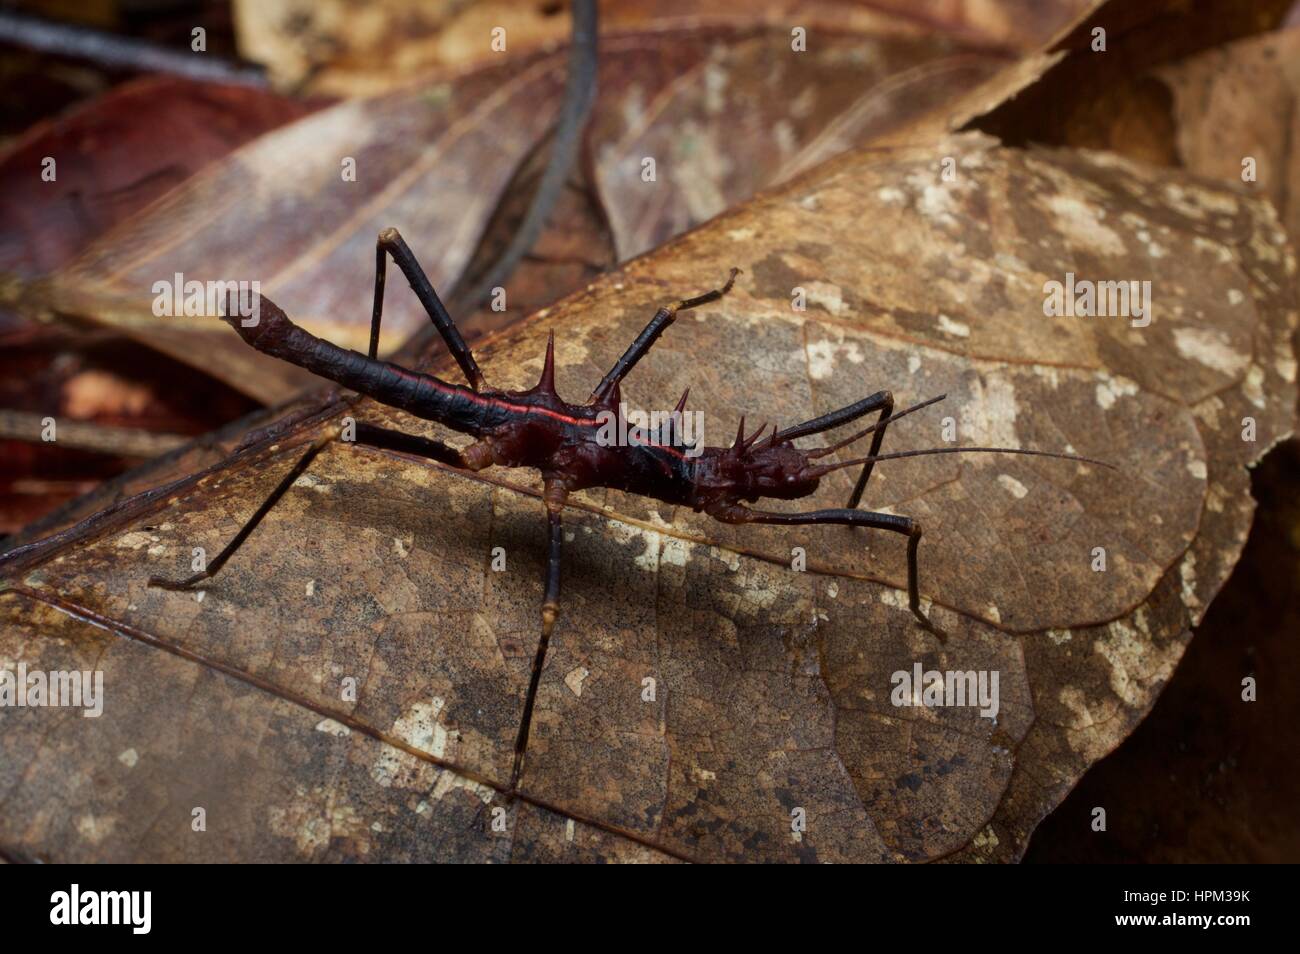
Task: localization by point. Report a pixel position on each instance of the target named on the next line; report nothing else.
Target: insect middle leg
(554, 497)
(368, 435)
(852, 518)
(390, 242)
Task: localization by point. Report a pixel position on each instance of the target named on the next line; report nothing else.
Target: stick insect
(538, 429)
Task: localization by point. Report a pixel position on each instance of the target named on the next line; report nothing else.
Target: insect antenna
(828, 468)
(823, 451)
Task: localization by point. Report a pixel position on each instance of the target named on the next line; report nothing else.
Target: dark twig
(579, 96)
(121, 52)
(81, 435)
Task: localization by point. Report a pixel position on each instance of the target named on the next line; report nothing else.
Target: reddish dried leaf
(117, 154)
(722, 120)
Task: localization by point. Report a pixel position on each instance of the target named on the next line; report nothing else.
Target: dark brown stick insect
(537, 428)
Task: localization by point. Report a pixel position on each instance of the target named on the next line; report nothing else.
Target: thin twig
(579, 96)
(80, 435)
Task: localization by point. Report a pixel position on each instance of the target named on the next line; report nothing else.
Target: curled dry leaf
(298, 211)
(722, 116)
(435, 161)
(771, 688)
(339, 49)
(1237, 103)
(115, 155)
(112, 157)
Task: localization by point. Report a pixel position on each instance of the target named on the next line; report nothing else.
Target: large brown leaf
(772, 685)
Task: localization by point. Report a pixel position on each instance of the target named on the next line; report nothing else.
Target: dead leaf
(722, 120)
(341, 50)
(284, 211)
(773, 687)
(1111, 98)
(118, 153)
(1237, 103)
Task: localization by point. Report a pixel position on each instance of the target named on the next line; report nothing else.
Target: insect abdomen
(423, 395)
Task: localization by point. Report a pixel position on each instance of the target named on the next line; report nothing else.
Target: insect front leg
(882, 401)
(390, 242)
(851, 518)
(877, 438)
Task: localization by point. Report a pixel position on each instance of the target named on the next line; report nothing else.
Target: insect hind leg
(475, 457)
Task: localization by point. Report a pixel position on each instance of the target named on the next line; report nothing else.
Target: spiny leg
(852, 518)
(390, 242)
(554, 496)
(663, 318)
(474, 457)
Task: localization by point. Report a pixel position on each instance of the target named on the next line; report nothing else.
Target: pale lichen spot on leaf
(420, 728)
(575, 678)
(134, 540)
(1125, 652)
(824, 356)
(1112, 388)
(990, 416)
(1013, 486)
(450, 781)
(675, 552)
(648, 558)
(1079, 220)
(986, 840)
(1253, 387)
(313, 482)
(949, 326)
(827, 295)
(1187, 573)
(1211, 348)
(334, 728)
(95, 828)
